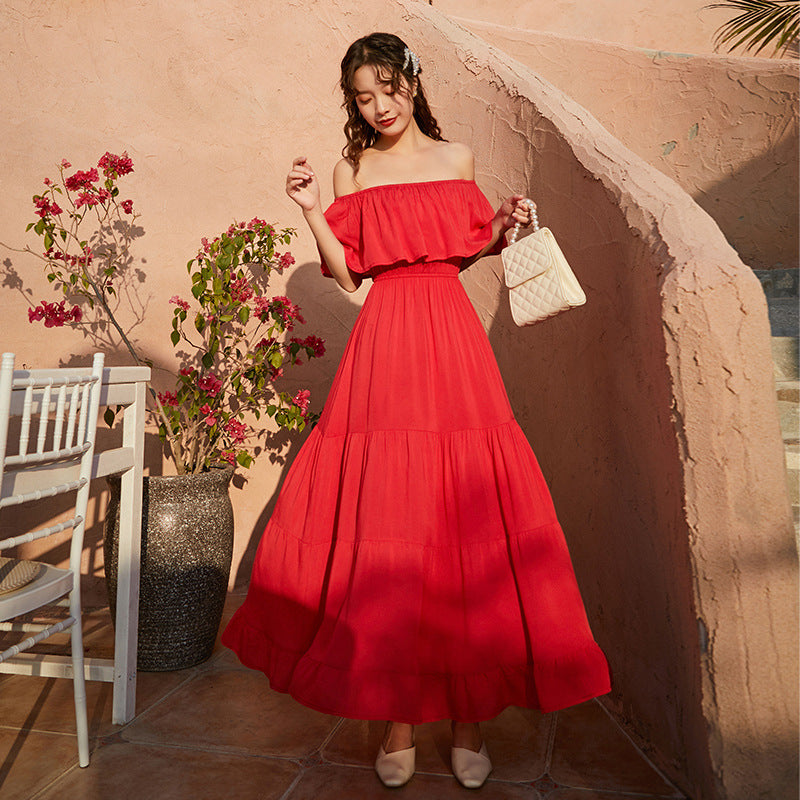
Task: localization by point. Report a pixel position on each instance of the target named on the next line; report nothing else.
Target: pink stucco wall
(651, 409)
(670, 26)
(724, 128)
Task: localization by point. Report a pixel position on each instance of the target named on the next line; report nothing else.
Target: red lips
(387, 122)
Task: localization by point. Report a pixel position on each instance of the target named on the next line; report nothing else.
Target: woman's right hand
(302, 185)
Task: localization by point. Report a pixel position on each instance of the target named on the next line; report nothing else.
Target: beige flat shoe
(397, 767)
(469, 767)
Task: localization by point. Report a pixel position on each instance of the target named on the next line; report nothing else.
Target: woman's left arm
(512, 211)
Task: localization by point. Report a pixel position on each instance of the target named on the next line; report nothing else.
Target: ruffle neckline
(405, 184)
(390, 224)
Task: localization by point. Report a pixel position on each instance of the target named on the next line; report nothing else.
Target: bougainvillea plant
(231, 332)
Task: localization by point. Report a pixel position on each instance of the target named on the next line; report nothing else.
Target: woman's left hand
(513, 211)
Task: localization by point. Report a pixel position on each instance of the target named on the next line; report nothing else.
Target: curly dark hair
(386, 52)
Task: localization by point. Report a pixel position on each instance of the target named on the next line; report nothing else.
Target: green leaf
(199, 322)
(244, 314)
(175, 337)
(39, 227)
(30, 225)
(207, 360)
(198, 289)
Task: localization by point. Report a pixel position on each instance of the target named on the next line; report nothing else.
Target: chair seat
(50, 584)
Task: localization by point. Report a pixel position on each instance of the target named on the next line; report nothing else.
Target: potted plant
(231, 347)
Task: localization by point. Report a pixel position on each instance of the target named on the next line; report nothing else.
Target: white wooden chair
(54, 459)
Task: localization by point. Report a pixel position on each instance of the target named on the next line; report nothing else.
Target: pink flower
(229, 456)
(178, 302)
(186, 371)
(81, 180)
(241, 291)
(103, 194)
(286, 260)
(265, 343)
(86, 199)
(262, 307)
(237, 430)
(207, 412)
(286, 310)
(313, 343)
(210, 384)
(44, 207)
(55, 315)
(114, 166)
(127, 206)
(85, 259)
(65, 164)
(168, 398)
(301, 400)
(47, 182)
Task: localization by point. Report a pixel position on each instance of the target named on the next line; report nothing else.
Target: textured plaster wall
(212, 119)
(651, 409)
(678, 26)
(652, 412)
(724, 128)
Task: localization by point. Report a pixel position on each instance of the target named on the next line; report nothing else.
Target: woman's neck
(411, 140)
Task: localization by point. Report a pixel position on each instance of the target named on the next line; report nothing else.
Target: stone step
(789, 411)
(785, 358)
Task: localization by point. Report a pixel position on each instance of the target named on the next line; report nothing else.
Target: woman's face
(387, 111)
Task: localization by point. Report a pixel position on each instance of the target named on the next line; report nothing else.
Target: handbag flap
(528, 257)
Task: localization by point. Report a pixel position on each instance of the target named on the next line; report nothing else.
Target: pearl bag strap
(534, 219)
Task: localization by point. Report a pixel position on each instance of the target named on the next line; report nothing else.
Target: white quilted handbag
(539, 279)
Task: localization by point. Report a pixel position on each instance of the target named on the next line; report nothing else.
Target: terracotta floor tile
(235, 710)
(516, 740)
(126, 771)
(591, 752)
(356, 742)
(29, 760)
(47, 704)
(329, 782)
(588, 794)
(223, 659)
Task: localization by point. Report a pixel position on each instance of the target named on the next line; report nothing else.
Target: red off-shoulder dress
(413, 568)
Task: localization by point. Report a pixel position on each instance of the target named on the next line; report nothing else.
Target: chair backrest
(49, 449)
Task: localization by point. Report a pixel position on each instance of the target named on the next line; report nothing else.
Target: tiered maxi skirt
(414, 568)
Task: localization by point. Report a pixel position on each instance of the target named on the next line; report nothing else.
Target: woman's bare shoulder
(460, 158)
(343, 178)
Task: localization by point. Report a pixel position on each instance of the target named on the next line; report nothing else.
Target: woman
(413, 568)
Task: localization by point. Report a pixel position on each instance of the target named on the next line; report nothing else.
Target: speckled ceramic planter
(187, 546)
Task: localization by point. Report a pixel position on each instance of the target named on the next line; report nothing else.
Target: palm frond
(760, 23)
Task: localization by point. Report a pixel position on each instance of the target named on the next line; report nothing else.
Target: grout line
(678, 794)
(58, 778)
(17, 729)
(120, 728)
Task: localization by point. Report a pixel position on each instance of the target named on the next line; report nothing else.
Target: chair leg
(79, 686)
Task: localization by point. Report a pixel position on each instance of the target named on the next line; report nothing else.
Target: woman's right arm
(302, 186)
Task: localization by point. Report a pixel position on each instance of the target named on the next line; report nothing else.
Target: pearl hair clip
(410, 54)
